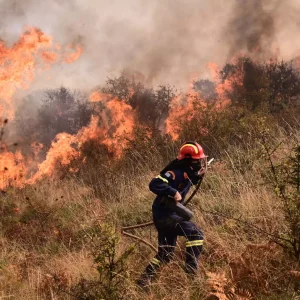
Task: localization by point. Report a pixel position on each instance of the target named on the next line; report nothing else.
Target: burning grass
(46, 251)
(84, 171)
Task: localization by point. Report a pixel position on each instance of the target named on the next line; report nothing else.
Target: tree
(274, 85)
(62, 110)
(151, 105)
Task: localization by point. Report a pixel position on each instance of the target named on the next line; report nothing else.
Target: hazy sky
(165, 40)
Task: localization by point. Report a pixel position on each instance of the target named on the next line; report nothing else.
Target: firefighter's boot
(149, 274)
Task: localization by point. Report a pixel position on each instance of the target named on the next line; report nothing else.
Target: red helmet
(191, 150)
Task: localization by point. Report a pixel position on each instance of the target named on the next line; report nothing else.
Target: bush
(61, 110)
(286, 180)
(151, 105)
(111, 267)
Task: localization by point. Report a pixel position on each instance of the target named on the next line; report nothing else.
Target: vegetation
(61, 237)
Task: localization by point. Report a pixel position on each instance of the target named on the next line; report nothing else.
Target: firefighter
(174, 182)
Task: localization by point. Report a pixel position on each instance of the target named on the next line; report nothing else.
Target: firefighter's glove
(177, 197)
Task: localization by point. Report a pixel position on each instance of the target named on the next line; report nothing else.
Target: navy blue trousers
(168, 232)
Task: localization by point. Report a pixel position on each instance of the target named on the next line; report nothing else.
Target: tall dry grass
(45, 229)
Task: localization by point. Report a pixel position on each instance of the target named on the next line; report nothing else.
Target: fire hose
(177, 205)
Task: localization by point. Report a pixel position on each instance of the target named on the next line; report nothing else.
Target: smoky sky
(250, 27)
(166, 41)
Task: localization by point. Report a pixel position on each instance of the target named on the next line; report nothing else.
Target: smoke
(252, 28)
(263, 29)
(165, 41)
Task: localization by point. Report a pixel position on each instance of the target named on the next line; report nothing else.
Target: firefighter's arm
(160, 185)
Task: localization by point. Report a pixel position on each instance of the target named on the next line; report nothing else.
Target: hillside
(63, 205)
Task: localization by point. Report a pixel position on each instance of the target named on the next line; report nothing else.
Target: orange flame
(182, 107)
(18, 66)
(221, 88)
(12, 169)
(20, 62)
(185, 107)
(98, 97)
(73, 56)
(65, 148)
(49, 56)
(118, 116)
(61, 151)
(121, 119)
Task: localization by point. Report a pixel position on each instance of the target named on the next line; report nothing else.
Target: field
(61, 224)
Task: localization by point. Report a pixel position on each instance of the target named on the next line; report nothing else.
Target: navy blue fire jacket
(168, 184)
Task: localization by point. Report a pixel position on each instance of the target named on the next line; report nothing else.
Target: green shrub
(111, 267)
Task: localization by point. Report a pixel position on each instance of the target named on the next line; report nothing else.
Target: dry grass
(44, 253)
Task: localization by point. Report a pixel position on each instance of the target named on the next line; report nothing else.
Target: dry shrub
(44, 253)
(51, 214)
(258, 268)
(43, 236)
(63, 272)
